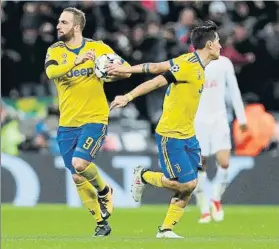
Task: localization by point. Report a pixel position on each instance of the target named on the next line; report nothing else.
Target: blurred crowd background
(142, 31)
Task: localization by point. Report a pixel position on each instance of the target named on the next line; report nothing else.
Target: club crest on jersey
(175, 68)
(64, 62)
(64, 55)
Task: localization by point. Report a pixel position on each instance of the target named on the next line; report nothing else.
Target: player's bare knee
(79, 164)
(172, 184)
(223, 158)
(78, 179)
(224, 165)
(188, 187)
(178, 201)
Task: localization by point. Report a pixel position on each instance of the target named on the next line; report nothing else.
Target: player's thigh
(90, 140)
(193, 151)
(203, 135)
(67, 141)
(221, 138)
(174, 161)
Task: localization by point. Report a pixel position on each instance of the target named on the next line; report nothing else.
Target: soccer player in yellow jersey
(179, 150)
(83, 109)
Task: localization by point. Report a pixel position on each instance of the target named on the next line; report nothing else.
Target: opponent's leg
(220, 184)
(204, 135)
(202, 199)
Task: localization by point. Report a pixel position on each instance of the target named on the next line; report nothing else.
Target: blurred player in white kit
(213, 132)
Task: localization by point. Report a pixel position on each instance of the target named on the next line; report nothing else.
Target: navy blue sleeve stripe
(51, 62)
(122, 60)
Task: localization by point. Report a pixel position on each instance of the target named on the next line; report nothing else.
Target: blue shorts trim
(180, 159)
(82, 142)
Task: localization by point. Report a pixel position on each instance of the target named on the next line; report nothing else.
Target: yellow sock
(153, 178)
(89, 198)
(174, 215)
(91, 173)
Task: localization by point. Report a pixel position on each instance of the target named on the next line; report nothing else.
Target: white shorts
(213, 137)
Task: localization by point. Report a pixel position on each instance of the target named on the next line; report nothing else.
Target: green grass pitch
(60, 227)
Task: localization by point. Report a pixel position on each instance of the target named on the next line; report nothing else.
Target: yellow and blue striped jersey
(81, 95)
(182, 97)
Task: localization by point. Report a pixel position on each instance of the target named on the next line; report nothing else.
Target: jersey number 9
(88, 143)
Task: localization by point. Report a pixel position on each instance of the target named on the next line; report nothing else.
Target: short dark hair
(203, 33)
(79, 16)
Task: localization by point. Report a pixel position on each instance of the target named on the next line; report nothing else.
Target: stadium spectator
(261, 133)
(10, 134)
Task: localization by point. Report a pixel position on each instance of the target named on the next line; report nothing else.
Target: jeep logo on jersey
(82, 72)
(77, 73)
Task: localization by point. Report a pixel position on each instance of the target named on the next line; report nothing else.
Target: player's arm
(101, 49)
(54, 70)
(124, 75)
(144, 88)
(153, 68)
(235, 95)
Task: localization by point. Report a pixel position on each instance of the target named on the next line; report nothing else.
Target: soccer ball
(101, 63)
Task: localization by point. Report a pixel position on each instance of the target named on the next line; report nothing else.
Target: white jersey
(211, 122)
(219, 76)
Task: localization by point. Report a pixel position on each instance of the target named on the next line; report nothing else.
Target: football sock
(220, 183)
(91, 173)
(173, 216)
(202, 199)
(153, 178)
(89, 198)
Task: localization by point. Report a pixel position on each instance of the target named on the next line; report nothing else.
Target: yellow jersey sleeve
(50, 56)
(177, 72)
(52, 67)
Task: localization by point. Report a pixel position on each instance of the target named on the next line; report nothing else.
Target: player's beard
(67, 37)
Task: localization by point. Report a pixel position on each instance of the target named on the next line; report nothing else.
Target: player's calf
(89, 197)
(202, 199)
(187, 188)
(90, 172)
(220, 184)
(177, 205)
